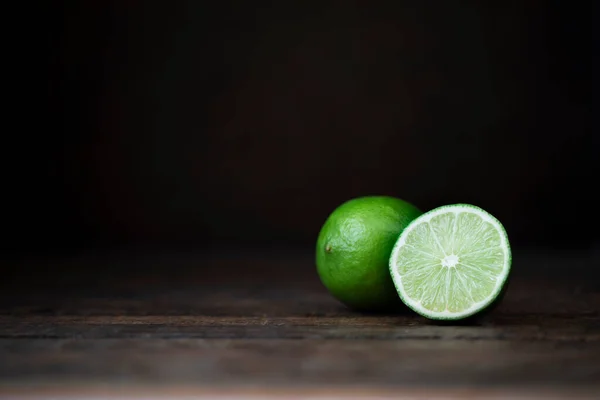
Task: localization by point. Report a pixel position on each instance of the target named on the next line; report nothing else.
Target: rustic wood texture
(261, 324)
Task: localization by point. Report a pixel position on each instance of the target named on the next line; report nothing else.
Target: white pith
(450, 261)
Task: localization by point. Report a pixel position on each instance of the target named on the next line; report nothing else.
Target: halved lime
(451, 262)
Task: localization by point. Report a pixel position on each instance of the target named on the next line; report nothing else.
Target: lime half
(451, 262)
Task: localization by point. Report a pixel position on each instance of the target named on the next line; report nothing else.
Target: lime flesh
(451, 262)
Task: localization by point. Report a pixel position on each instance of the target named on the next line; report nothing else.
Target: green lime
(451, 262)
(354, 247)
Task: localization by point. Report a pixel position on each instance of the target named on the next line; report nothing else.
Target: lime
(354, 247)
(451, 262)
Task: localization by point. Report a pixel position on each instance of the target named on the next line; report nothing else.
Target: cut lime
(451, 262)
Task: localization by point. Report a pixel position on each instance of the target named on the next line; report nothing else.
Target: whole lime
(354, 247)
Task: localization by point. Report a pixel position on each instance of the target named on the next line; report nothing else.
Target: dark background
(194, 124)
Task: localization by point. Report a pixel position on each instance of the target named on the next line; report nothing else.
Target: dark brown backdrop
(246, 123)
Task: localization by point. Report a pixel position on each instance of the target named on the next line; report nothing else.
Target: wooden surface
(260, 325)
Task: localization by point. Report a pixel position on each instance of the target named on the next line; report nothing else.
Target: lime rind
(443, 243)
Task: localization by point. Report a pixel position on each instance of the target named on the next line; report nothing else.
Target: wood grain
(263, 325)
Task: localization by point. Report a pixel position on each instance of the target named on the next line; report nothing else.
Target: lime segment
(451, 262)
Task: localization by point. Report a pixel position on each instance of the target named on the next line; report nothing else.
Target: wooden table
(260, 325)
